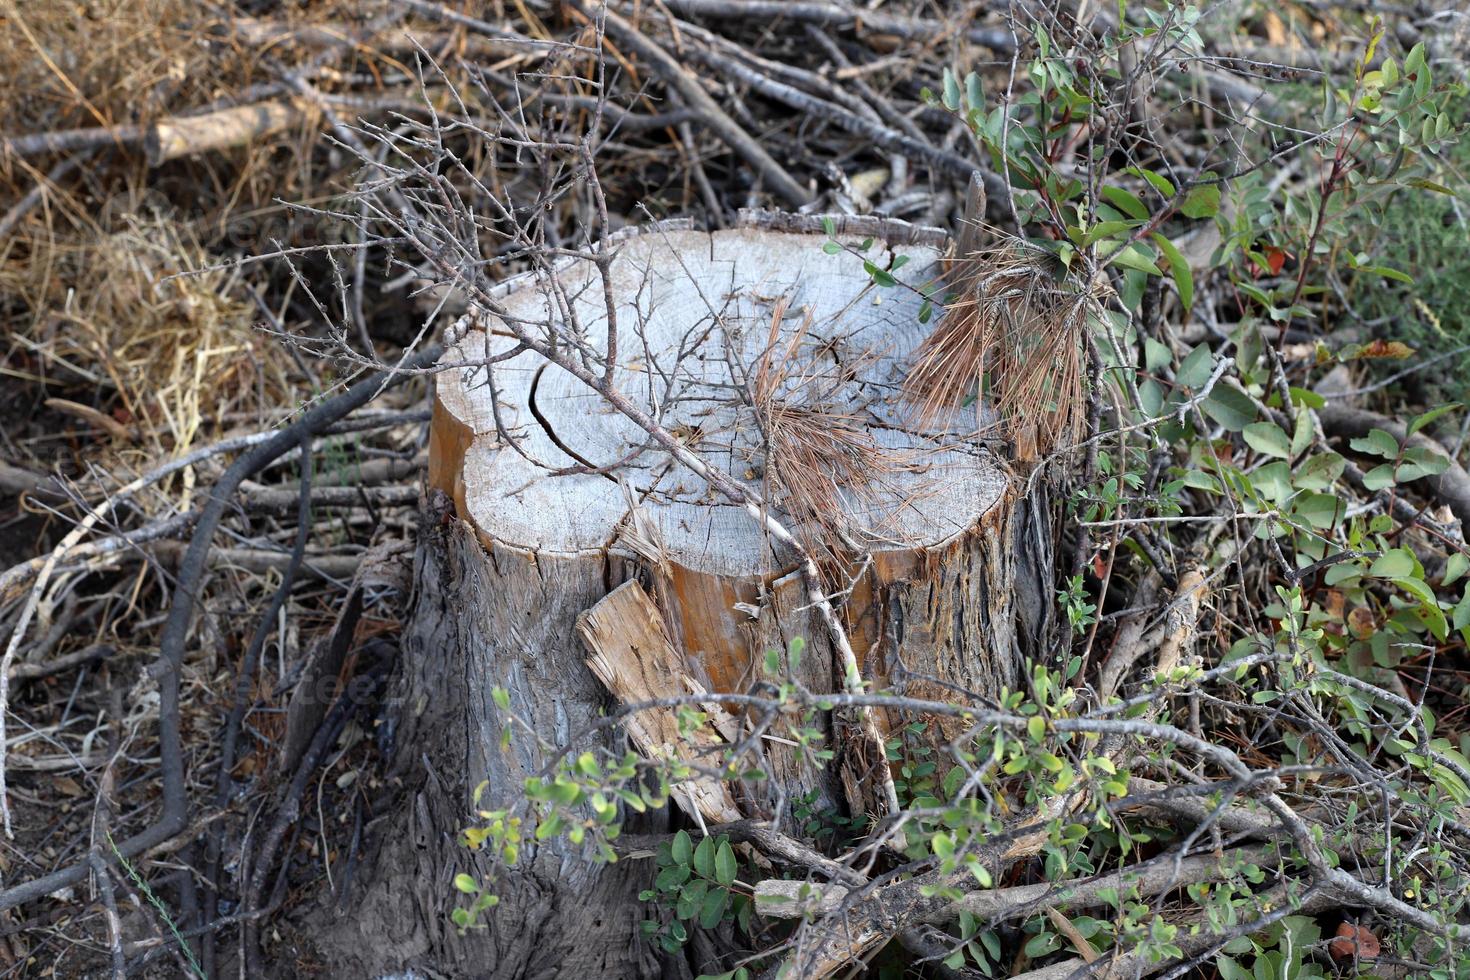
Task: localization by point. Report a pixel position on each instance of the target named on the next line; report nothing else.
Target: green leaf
(1107, 229)
(713, 908)
(1268, 439)
(831, 248)
(671, 877)
(1202, 201)
(549, 828)
(704, 857)
(1387, 272)
(1126, 202)
(1307, 399)
(461, 918)
(1136, 257)
(682, 848)
(1302, 434)
(1377, 443)
(1156, 355)
(1159, 182)
(951, 91)
(1179, 269)
(1273, 482)
(1320, 471)
(1429, 610)
(1379, 477)
(1196, 368)
(466, 884)
(688, 905)
(829, 227)
(1200, 480)
(974, 93)
(1455, 567)
(1036, 728)
(1396, 563)
(1230, 407)
(725, 865)
(1462, 612)
(1041, 944)
(1419, 462)
(1321, 510)
(1420, 421)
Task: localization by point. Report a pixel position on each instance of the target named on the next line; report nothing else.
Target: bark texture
(485, 619)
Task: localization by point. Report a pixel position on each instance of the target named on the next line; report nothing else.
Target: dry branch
(169, 138)
(693, 93)
(778, 899)
(841, 16)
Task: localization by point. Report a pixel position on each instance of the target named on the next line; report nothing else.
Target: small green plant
(1074, 600)
(697, 885)
(140, 883)
(1281, 952)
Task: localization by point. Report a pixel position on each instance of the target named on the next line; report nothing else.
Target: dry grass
(74, 65)
(174, 356)
(86, 305)
(823, 460)
(1014, 336)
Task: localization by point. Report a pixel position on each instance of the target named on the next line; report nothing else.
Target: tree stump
(572, 538)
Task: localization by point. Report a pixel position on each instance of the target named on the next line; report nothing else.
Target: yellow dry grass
(110, 62)
(89, 306)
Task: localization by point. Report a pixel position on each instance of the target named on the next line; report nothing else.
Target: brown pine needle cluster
(1012, 337)
(820, 458)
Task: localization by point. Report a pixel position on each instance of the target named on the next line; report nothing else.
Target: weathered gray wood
(481, 620)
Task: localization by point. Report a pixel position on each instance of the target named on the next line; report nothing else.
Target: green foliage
(1080, 613)
(697, 885)
(1279, 953)
(1422, 226)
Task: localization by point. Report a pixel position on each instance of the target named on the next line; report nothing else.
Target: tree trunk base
(561, 915)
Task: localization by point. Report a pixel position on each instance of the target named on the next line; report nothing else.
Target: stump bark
(566, 539)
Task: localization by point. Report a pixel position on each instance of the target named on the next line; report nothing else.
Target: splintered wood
(629, 650)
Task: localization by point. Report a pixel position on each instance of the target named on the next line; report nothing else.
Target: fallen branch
(777, 899)
(265, 449)
(169, 138)
(692, 92)
(842, 17)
